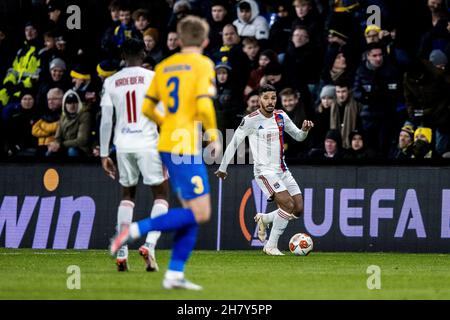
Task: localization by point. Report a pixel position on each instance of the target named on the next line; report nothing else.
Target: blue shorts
(188, 175)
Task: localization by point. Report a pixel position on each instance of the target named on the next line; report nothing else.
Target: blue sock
(173, 220)
(183, 244)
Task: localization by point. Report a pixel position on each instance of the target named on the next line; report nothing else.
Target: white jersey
(125, 92)
(266, 137)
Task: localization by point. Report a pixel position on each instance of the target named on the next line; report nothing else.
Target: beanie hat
(356, 132)
(223, 64)
(334, 135)
(427, 132)
(57, 63)
(107, 68)
(438, 57)
(372, 27)
(80, 72)
(27, 91)
(409, 130)
(328, 91)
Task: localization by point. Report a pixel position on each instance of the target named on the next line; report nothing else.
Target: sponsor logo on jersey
(130, 131)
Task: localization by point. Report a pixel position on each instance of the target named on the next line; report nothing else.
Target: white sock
(124, 216)
(174, 275)
(124, 213)
(160, 207)
(280, 223)
(268, 217)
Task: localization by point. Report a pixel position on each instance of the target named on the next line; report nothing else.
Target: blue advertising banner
(347, 208)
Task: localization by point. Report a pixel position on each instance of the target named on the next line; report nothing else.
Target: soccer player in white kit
(265, 129)
(135, 139)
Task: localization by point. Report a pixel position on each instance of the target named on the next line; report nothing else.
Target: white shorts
(147, 163)
(275, 183)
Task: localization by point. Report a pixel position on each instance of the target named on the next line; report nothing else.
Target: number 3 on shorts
(199, 186)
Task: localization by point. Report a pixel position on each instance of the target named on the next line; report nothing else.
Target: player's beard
(269, 108)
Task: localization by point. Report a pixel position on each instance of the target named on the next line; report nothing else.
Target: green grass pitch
(227, 275)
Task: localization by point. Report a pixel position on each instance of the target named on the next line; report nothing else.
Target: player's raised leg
(192, 182)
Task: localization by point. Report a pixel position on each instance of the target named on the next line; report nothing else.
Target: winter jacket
(26, 66)
(257, 26)
(23, 73)
(430, 94)
(362, 154)
(301, 65)
(20, 123)
(376, 89)
(45, 131)
(74, 130)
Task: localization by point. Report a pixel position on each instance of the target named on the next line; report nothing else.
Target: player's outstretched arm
(296, 133)
(238, 137)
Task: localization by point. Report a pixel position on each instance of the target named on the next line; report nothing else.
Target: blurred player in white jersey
(136, 140)
(265, 129)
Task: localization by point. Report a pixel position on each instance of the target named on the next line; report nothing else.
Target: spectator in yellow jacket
(24, 72)
(45, 129)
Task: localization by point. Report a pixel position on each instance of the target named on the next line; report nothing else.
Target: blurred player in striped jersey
(265, 129)
(136, 140)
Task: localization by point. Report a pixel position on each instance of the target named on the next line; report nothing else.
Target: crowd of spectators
(373, 89)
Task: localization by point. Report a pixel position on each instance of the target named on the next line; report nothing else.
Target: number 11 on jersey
(131, 106)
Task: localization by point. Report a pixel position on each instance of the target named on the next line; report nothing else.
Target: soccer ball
(301, 244)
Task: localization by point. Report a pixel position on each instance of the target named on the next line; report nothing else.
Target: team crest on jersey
(280, 122)
(276, 185)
